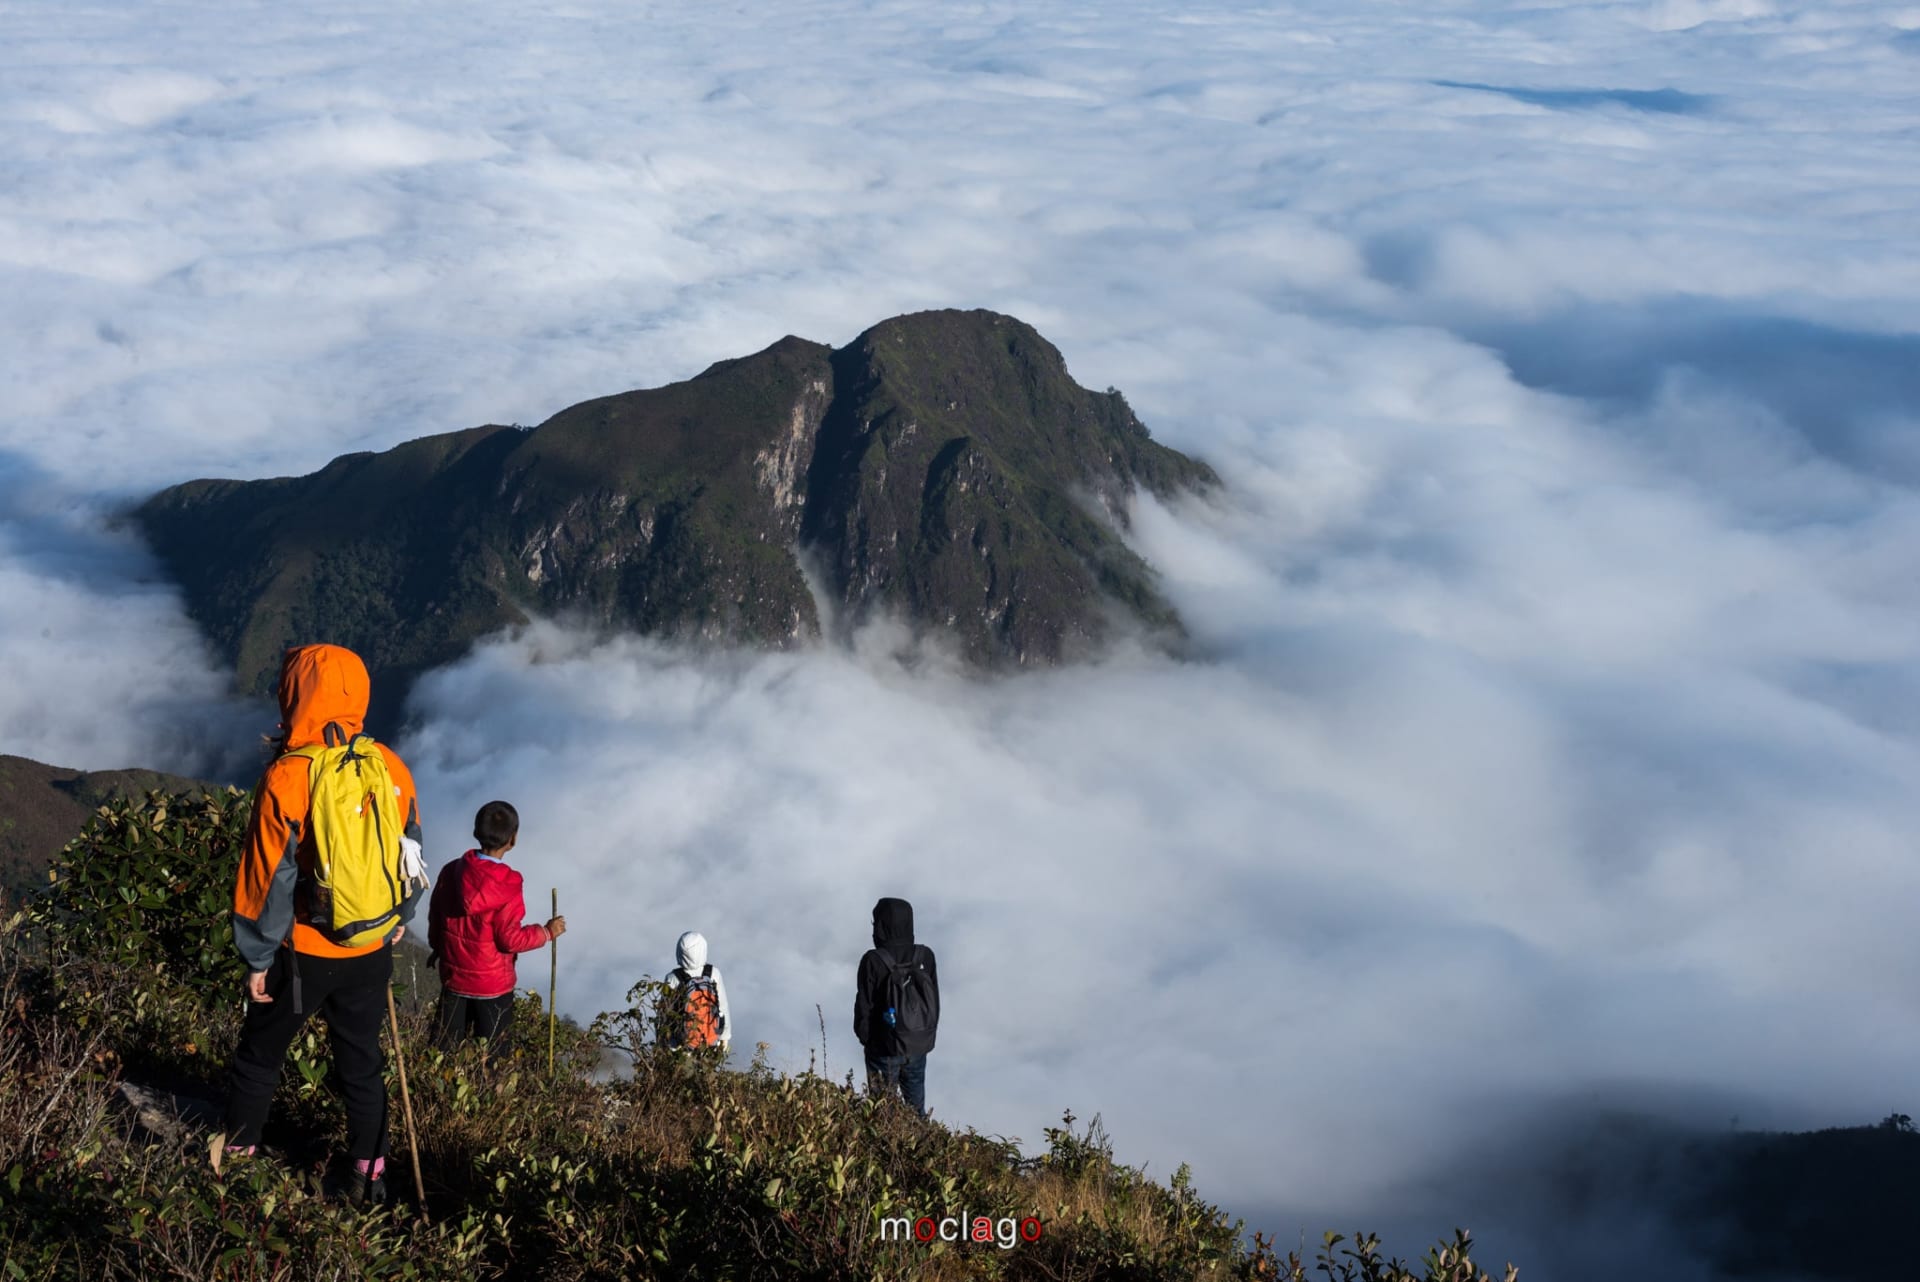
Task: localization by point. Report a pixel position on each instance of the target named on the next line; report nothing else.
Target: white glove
(413, 863)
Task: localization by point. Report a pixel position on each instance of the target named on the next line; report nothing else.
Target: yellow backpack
(360, 875)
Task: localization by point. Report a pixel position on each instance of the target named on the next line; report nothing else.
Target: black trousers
(352, 993)
(463, 1017)
(906, 1074)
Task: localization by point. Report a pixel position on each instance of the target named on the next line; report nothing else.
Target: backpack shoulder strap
(706, 971)
(309, 753)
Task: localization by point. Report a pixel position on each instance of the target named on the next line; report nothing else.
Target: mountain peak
(943, 467)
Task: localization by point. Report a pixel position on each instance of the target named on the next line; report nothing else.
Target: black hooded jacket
(892, 941)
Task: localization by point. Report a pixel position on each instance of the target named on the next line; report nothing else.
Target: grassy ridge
(678, 1168)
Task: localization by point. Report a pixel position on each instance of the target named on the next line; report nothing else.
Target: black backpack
(912, 1001)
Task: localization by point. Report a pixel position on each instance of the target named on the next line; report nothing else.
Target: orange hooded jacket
(323, 699)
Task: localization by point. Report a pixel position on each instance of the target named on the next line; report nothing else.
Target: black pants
(352, 993)
(904, 1073)
(463, 1017)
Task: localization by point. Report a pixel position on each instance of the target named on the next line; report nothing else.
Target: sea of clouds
(1551, 744)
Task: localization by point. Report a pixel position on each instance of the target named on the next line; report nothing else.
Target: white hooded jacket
(691, 955)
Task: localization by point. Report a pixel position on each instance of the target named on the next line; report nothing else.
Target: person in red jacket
(474, 928)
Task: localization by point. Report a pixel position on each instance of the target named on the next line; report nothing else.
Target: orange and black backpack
(696, 1020)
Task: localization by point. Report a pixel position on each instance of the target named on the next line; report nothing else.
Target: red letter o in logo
(1029, 1230)
(923, 1229)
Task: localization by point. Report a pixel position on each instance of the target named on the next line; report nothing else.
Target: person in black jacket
(896, 1010)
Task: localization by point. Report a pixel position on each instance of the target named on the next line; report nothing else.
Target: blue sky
(1556, 733)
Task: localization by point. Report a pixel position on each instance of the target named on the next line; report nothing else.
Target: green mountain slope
(43, 807)
(943, 467)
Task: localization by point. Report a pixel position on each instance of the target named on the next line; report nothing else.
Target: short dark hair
(497, 824)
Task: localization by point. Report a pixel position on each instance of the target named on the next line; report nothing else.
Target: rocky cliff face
(943, 467)
(963, 479)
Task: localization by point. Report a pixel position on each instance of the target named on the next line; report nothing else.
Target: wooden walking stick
(406, 1106)
(553, 979)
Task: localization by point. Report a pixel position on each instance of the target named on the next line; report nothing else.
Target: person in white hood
(699, 996)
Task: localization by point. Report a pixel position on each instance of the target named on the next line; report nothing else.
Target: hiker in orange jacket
(293, 969)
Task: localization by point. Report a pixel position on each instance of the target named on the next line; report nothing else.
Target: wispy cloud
(102, 668)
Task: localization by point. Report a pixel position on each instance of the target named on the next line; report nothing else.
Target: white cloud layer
(103, 669)
(1554, 730)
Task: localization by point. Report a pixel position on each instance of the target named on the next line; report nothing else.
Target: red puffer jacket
(474, 926)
